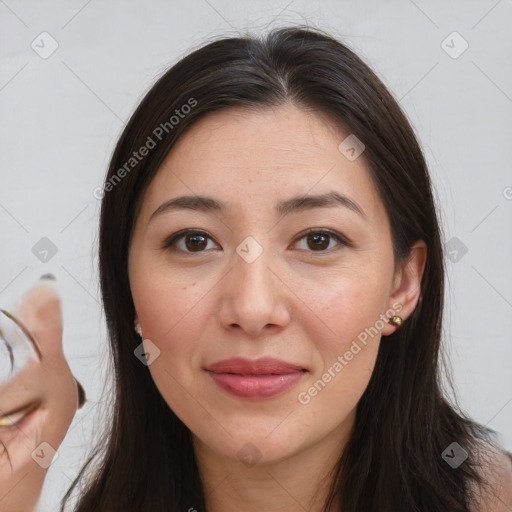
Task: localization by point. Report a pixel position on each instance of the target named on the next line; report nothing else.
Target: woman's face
(248, 281)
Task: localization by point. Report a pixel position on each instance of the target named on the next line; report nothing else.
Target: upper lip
(262, 366)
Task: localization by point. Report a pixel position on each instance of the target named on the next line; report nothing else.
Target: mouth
(256, 379)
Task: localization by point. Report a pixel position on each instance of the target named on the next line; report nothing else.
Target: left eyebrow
(293, 205)
(308, 202)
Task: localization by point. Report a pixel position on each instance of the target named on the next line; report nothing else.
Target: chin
(252, 447)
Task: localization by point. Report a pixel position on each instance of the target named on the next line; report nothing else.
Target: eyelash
(169, 243)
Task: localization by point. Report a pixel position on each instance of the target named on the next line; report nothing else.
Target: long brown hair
(393, 461)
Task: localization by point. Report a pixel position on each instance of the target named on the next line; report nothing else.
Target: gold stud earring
(396, 320)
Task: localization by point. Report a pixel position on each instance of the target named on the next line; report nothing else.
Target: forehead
(250, 158)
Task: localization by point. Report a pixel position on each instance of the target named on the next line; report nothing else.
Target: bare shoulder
(496, 468)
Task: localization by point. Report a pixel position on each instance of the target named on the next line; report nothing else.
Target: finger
(39, 309)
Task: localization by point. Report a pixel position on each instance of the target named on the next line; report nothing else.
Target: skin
(497, 471)
(294, 302)
(48, 386)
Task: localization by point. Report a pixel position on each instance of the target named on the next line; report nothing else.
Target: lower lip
(255, 386)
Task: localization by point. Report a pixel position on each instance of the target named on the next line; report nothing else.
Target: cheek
(347, 359)
(172, 317)
(352, 323)
(342, 311)
(165, 303)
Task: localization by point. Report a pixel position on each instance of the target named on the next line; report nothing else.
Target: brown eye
(195, 242)
(319, 241)
(188, 241)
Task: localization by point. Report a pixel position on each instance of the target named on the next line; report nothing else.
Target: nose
(255, 298)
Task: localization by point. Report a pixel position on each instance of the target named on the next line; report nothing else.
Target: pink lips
(261, 378)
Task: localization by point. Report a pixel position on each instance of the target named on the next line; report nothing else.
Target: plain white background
(61, 115)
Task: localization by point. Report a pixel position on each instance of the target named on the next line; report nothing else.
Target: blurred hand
(37, 404)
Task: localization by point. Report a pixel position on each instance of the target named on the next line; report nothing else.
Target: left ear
(407, 285)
